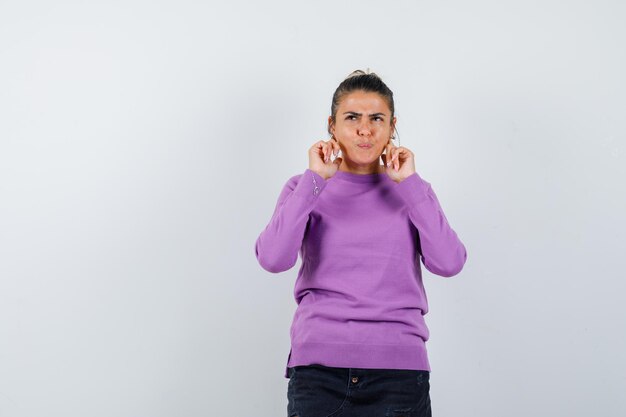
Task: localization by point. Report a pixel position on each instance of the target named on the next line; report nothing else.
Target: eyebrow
(360, 114)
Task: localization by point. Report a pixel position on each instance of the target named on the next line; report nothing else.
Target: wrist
(324, 177)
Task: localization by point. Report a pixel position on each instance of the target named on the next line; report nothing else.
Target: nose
(364, 129)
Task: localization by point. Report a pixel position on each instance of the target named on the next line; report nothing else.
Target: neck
(373, 168)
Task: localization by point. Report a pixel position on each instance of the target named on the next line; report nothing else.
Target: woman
(358, 334)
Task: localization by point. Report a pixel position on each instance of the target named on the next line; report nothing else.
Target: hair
(360, 80)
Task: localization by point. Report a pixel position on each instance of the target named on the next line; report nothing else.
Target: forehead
(363, 102)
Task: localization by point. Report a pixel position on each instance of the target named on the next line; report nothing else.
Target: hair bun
(361, 72)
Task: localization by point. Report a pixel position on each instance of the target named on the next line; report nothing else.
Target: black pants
(323, 391)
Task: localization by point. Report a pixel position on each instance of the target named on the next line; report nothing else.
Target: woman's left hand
(401, 162)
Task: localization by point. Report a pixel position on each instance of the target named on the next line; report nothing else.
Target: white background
(143, 146)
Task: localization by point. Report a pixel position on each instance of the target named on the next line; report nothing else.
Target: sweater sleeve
(278, 244)
(442, 251)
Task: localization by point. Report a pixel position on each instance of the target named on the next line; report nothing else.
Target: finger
(331, 149)
(396, 158)
(320, 150)
(400, 157)
(389, 158)
(384, 155)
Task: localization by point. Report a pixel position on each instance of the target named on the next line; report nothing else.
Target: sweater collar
(362, 178)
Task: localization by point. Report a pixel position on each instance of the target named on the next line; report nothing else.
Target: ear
(331, 125)
(393, 127)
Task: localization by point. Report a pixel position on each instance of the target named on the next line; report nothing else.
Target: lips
(364, 145)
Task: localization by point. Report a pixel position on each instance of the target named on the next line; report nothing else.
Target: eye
(351, 117)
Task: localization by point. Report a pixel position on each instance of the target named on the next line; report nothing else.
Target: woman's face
(363, 127)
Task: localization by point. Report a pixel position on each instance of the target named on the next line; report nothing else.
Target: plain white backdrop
(143, 145)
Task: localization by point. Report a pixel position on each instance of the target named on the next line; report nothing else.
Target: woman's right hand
(319, 158)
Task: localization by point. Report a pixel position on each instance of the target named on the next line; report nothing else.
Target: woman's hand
(399, 162)
(319, 158)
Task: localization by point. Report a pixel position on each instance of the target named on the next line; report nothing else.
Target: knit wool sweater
(359, 292)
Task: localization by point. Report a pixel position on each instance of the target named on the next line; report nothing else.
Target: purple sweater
(361, 300)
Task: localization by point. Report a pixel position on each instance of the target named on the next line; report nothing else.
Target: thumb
(338, 161)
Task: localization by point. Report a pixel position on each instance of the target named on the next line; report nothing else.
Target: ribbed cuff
(346, 355)
(310, 185)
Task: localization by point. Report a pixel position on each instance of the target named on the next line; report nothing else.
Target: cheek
(343, 126)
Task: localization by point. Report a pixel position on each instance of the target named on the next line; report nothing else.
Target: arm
(278, 244)
(442, 251)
